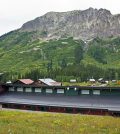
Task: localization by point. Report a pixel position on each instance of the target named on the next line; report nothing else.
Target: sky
(14, 13)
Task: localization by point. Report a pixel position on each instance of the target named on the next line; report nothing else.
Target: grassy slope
(13, 122)
(24, 54)
(20, 52)
(110, 53)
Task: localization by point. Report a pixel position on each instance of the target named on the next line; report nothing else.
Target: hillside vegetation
(22, 55)
(14, 122)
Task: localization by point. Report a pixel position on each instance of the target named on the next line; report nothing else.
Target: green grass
(76, 84)
(16, 122)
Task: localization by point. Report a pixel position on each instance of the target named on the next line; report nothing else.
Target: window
(60, 91)
(96, 92)
(28, 90)
(11, 89)
(38, 90)
(49, 90)
(19, 89)
(85, 92)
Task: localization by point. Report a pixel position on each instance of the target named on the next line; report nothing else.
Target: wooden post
(0, 106)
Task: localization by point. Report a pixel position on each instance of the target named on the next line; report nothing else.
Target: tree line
(80, 72)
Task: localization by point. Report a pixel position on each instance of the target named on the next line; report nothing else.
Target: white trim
(85, 92)
(38, 90)
(19, 89)
(96, 92)
(28, 90)
(60, 91)
(49, 91)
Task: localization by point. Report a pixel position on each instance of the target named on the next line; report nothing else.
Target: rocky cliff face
(79, 24)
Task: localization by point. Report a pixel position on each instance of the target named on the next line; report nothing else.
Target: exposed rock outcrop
(79, 24)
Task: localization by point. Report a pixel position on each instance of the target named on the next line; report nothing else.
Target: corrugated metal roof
(50, 82)
(26, 81)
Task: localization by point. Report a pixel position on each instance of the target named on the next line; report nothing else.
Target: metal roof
(26, 81)
(92, 80)
(50, 82)
(93, 102)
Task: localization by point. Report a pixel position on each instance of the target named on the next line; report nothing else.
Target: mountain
(64, 46)
(85, 25)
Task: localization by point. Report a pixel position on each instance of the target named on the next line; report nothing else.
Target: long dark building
(68, 99)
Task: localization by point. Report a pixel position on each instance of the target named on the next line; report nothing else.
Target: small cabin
(102, 81)
(73, 81)
(114, 81)
(92, 80)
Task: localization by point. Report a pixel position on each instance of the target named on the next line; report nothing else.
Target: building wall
(69, 91)
(110, 92)
(61, 109)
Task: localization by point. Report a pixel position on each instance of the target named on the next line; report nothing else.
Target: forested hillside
(23, 55)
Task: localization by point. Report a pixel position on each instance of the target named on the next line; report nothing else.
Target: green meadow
(19, 122)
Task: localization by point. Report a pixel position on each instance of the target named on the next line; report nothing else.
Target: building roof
(92, 80)
(93, 102)
(50, 82)
(8, 82)
(72, 80)
(100, 79)
(26, 81)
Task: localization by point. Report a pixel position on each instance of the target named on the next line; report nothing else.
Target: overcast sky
(13, 13)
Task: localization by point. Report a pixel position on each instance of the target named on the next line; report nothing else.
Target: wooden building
(70, 99)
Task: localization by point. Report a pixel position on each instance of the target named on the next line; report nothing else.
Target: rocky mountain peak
(104, 11)
(86, 24)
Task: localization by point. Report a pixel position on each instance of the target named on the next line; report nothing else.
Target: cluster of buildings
(39, 82)
(100, 80)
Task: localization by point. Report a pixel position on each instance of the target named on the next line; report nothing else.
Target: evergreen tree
(63, 63)
(78, 53)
